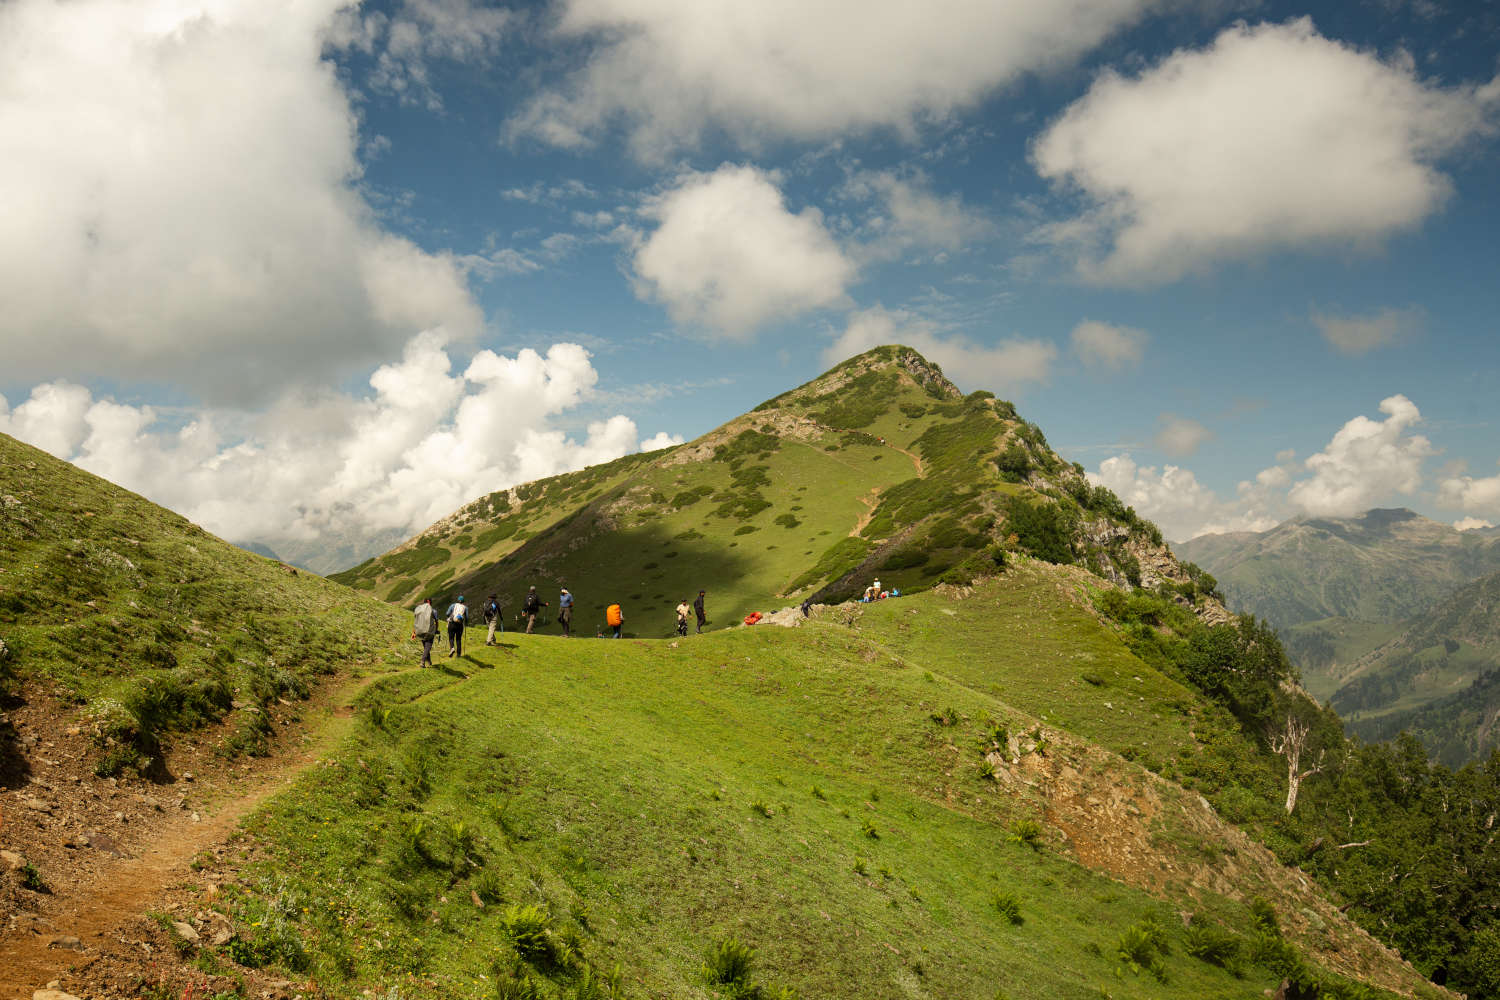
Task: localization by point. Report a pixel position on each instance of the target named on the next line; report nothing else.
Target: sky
(316, 273)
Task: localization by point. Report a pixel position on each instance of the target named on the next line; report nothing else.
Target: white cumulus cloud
(1105, 345)
(1271, 137)
(1475, 495)
(1365, 462)
(728, 256)
(1174, 498)
(1005, 365)
(1361, 334)
(331, 471)
(1471, 524)
(800, 68)
(177, 180)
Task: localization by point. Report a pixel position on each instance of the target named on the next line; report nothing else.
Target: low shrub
(1143, 948)
(1008, 907)
(1216, 946)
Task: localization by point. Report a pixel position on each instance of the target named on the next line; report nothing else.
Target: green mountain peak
(878, 469)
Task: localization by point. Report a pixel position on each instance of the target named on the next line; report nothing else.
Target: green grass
(150, 623)
(645, 804)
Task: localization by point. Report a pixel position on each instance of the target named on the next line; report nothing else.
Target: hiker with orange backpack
(615, 619)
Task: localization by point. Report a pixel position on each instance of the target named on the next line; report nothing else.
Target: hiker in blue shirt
(458, 613)
(565, 613)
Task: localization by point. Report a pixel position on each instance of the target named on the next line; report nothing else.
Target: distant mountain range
(1391, 616)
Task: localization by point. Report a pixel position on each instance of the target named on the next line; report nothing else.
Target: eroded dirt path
(95, 890)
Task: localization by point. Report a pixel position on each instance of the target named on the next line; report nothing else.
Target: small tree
(1291, 743)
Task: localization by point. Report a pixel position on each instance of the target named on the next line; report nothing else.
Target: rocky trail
(106, 851)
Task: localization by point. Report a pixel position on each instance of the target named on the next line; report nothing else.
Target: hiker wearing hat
(698, 610)
(565, 613)
(493, 617)
(458, 613)
(531, 608)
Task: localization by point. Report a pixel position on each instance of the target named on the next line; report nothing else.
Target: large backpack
(613, 616)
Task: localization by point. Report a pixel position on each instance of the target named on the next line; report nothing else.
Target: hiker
(531, 608)
(565, 613)
(494, 618)
(424, 628)
(683, 610)
(615, 619)
(698, 610)
(458, 613)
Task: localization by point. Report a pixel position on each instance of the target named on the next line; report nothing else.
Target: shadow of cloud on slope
(646, 569)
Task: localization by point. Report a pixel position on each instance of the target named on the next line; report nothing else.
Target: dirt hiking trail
(101, 882)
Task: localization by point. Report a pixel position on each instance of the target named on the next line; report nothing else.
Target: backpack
(613, 616)
(533, 604)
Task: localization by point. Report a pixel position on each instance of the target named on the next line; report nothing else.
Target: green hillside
(1342, 592)
(870, 806)
(1439, 678)
(1382, 566)
(1027, 777)
(877, 469)
(151, 624)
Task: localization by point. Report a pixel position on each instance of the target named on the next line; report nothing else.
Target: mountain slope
(1382, 566)
(1439, 679)
(1339, 590)
(152, 624)
(650, 800)
(877, 469)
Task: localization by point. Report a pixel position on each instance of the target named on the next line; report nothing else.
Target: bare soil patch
(106, 850)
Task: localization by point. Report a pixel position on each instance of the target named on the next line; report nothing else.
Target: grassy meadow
(151, 624)
(818, 795)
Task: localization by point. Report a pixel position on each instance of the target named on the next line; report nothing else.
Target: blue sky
(317, 273)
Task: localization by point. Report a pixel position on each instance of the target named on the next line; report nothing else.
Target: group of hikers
(426, 623)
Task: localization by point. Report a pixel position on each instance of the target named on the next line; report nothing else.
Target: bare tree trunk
(1291, 744)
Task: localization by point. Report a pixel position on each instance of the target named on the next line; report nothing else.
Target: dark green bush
(1041, 529)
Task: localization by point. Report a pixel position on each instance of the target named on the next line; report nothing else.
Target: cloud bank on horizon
(385, 464)
(222, 215)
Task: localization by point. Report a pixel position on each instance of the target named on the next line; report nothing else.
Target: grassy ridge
(152, 623)
(879, 468)
(813, 793)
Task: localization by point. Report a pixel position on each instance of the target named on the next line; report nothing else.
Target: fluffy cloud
(798, 69)
(1273, 136)
(1471, 494)
(1172, 497)
(177, 180)
(316, 472)
(1180, 436)
(1104, 345)
(1365, 462)
(1361, 334)
(1006, 365)
(729, 256)
(1471, 524)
